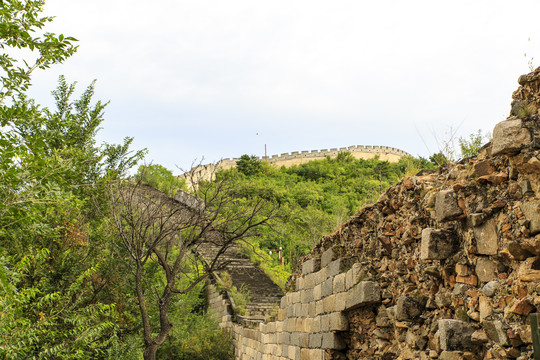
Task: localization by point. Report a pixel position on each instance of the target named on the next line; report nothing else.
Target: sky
(203, 80)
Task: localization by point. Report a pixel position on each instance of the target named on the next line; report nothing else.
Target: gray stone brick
(306, 296)
(315, 340)
(341, 301)
(407, 308)
(509, 137)
(486, 238)
(365, 292)
(332, 341)
(338, 321)
(339, 283)
(437, 244)
(311, 266)
(284, 338)
(531, 210)
(334, 268)
(486, 270)
(317, 292)
(455, 335)
(327, 257)
(327, 287)
(446, 205)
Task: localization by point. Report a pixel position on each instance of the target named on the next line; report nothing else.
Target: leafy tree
(158, 233)
(53, 246)
(161, 178)
(471, 147)
(438, 159)
(21, 31)
(249, 165)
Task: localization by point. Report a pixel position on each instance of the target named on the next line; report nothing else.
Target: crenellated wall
(385, 153)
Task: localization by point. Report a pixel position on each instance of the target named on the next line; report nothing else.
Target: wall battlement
(385, 153)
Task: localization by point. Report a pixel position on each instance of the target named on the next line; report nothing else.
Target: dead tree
(154, 229)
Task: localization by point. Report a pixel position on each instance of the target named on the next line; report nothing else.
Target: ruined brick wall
(446, 264)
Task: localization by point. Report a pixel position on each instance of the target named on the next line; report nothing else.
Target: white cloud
(191, 78)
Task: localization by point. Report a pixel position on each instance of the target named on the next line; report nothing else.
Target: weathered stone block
(290, 325)
(352, 276)
(446, 205)
(312, 309)
(306, 296)
(327, 287)
(299, 325)
(495, 331)
(437, 244)
(339, 283)
(531, 210)
(315, 340)
(338, 321)
(295, 297)
(319, 307)
(332, 341)
(365, 292)
(317, 292)
(486, 238)
(509, 137)
(407, 308)
(325, 323)
(311, 266)
(334, 268)
(486, 270)
(316, 324)
(299, 283)
(329, 303)
(284, 301)
(327, 257)
(455, 335)
(309, 281)
(303, 340)
(341, 301)
(290, 311)
(284, 338)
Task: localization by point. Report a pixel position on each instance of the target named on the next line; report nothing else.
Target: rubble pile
(455, 253)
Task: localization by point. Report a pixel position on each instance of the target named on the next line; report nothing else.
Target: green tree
(249, 165)
(471, 147)
(438, 159)
(53, 248)
(161, 178)
(22, 31)
(158, 233)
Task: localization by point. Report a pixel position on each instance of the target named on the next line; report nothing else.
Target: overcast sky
(217, 79)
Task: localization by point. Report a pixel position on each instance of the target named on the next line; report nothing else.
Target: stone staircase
(265, 295)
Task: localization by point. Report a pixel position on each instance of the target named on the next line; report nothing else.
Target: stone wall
(445, 265)
(385, 153)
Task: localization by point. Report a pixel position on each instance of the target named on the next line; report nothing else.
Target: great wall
(445, 265)
(385, 153)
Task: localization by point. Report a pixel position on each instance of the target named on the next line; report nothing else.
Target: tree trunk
(150, 352)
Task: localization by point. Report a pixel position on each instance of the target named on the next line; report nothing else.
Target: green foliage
(42, 321)
(195, 335)
(22, 33)
(241, 297)
(161, 178)
(249, 165)
(438, 159)
(523, 109)
(57, 269)
(471, 147)
(315, 198)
